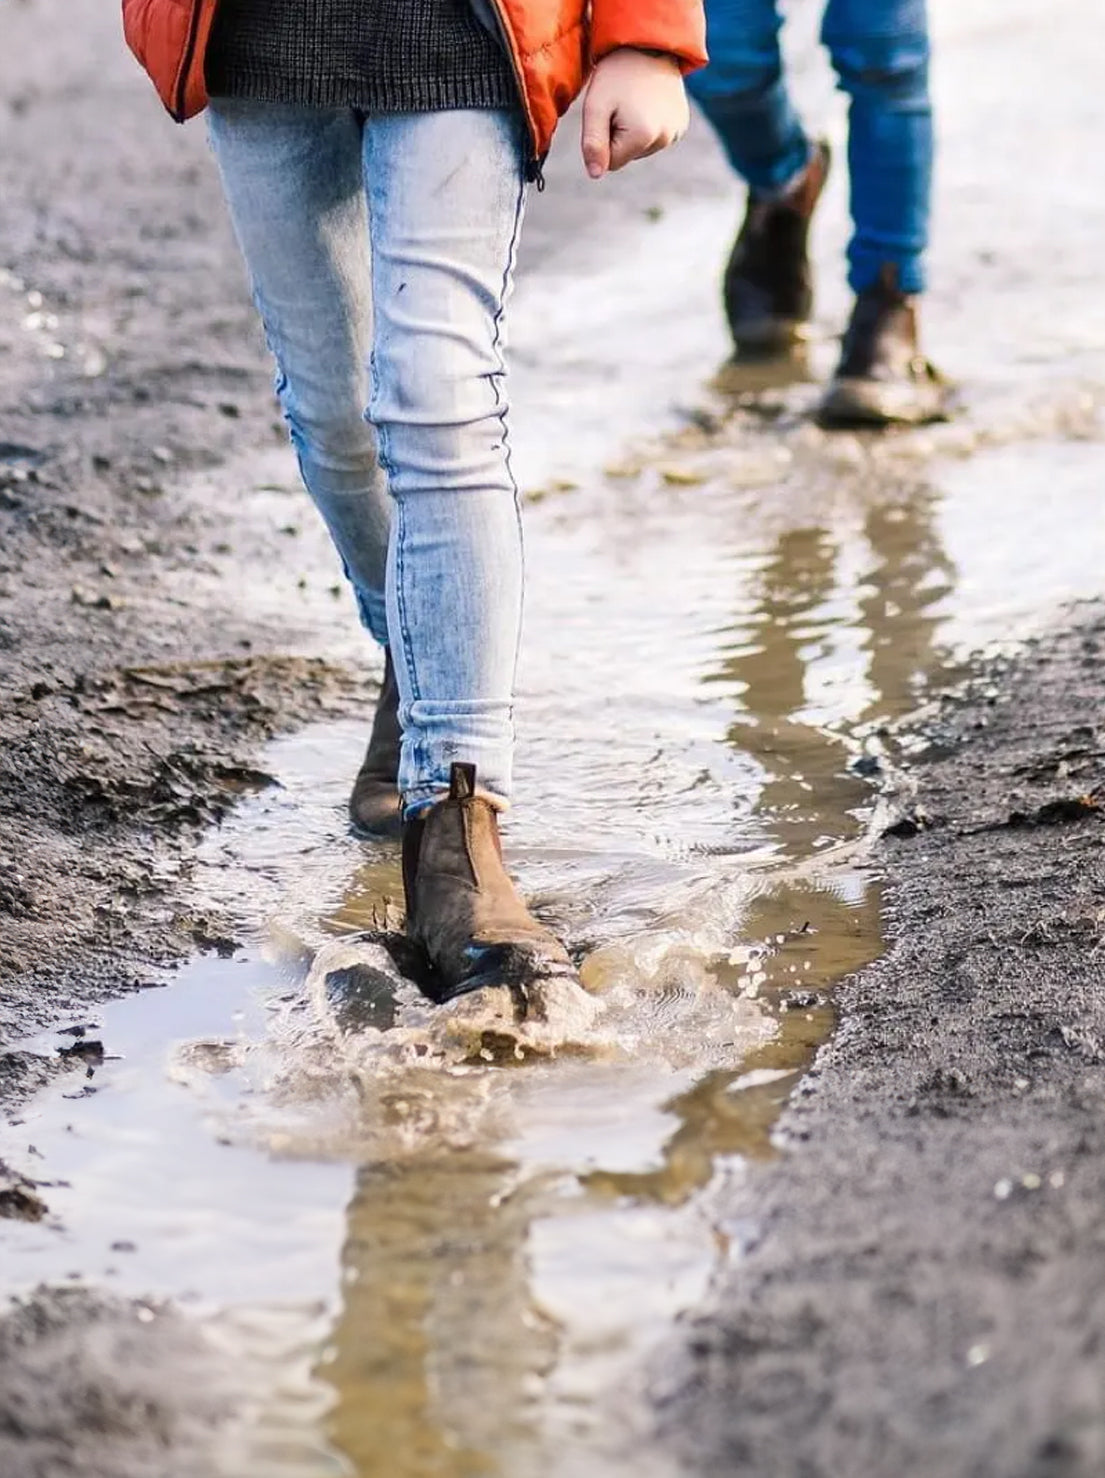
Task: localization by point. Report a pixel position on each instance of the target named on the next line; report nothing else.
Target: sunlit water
(426, 1262)
(433, 1263)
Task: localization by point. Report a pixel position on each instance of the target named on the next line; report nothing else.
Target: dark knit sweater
(380, 56)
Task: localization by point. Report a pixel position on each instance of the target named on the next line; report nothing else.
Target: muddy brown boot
(374, 804)
(883, 378)
(462, 907)
(769, 282)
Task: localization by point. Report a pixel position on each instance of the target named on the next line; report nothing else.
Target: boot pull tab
(462, 782)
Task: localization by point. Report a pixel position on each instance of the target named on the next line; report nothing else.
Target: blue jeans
(880, 50)
(382, 253)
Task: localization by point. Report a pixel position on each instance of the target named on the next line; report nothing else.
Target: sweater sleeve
(676, 27)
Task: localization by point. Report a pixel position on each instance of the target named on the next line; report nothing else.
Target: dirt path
(916, 1283)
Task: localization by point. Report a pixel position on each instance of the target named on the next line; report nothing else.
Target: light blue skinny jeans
(381, 252)
(880, 50)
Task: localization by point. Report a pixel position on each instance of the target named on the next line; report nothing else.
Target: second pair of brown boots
(462, 908)
(882, 377)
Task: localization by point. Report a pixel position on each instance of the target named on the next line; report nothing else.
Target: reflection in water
(900, 600)
(444, 1360)
(437, 1347)
(787, 632)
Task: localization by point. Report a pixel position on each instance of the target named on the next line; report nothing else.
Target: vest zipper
(186, 65)
(535, 163)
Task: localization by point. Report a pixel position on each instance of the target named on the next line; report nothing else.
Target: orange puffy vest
(553, 45)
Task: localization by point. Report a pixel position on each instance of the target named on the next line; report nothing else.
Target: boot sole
(511, 969)
(857, 402)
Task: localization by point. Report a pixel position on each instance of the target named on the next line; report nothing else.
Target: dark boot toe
(511, 963)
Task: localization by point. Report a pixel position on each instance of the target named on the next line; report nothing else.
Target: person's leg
(293, 181)
(743, 94)
(446, 193)
(880, 49)
(445, 199)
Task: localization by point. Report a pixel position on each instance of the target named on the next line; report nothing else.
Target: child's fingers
(629, 143)
(597, 123)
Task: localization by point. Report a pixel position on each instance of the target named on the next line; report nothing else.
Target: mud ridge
(916, 1288)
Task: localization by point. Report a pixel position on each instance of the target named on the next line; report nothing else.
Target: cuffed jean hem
(865, 267)
(437, 736)
(426, 797)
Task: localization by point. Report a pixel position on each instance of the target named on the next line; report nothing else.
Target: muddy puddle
(434, 1248)
(429, 1255)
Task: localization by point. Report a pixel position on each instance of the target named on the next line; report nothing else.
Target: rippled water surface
(438, 1259)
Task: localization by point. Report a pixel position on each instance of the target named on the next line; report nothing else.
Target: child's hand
(635, 106)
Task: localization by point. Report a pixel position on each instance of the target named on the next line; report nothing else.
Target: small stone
(683, 477)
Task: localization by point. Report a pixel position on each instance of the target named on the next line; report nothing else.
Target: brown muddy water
(428, 1257)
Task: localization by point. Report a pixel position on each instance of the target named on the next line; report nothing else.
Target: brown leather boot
(374, 804)
(462, 907)
(769, 282)
(883, 378)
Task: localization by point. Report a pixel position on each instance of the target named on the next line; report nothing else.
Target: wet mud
(108, 1389)
(134, 685)
(283, 1219)
(918, 1287)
